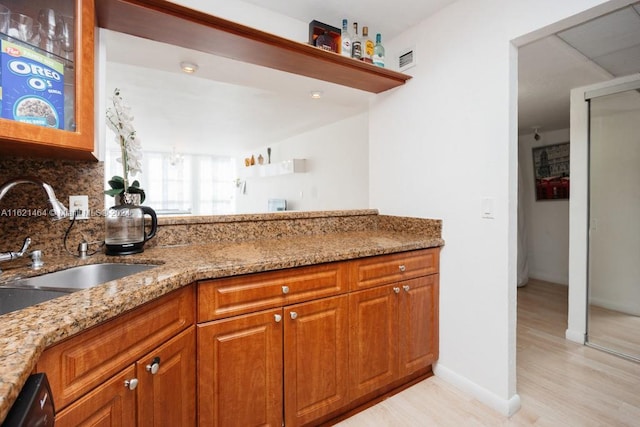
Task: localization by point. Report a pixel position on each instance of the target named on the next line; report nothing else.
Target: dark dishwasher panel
(34, 405)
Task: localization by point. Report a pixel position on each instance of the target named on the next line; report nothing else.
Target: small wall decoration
(551, 171)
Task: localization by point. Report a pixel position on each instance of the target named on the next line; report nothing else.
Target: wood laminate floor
(560, 383)
(615, 330)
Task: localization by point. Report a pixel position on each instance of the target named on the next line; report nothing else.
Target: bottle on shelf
(378, 52)
(345, 40)
(367, 46)
(356, 43)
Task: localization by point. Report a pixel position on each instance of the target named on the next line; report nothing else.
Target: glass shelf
(68, 63)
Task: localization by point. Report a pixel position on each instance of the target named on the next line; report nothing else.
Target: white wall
(252, 16)
(337, 170)
(443, 143)
(547, 221)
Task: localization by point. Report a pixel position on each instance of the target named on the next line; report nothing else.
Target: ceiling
(595, 51)
(246, 106)
(389, 18)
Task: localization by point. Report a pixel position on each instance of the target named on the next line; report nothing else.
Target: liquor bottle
(356, 43)
(367, 46)
(378, 52)
(345, 43)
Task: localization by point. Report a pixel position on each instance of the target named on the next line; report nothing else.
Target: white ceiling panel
(607, 34)
(548, 69)
(621, 62)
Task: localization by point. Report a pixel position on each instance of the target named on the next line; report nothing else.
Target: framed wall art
(551, 171)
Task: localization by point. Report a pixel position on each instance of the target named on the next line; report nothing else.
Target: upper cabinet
(47, 79)
(177, 25)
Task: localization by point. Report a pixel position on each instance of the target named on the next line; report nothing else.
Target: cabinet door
(373, 339)
(418, 324)
(167, 383)
(69, 129)
(240, 371)
(111, 404)
(81, 363)
(315, 359)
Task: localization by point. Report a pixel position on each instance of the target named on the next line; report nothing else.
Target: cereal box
(32, 86)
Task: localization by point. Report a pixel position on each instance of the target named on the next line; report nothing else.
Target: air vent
(406, 59)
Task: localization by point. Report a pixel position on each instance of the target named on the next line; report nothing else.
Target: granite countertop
(26, 333)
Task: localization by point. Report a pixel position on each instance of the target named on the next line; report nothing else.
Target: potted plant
(119, 120)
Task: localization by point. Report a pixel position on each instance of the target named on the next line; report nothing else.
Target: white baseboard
(506, 407)
(575, 336)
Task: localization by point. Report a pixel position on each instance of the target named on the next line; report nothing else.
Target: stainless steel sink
(12, 299)
(29, 291)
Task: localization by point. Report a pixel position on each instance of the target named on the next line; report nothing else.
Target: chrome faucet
(58, 209)
(8, 256)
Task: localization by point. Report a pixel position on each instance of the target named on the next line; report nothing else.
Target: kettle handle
(154, 222)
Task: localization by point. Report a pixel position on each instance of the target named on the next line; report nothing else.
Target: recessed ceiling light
(316, 94)
(188, 67)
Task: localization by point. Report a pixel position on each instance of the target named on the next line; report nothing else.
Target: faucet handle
(25, 246)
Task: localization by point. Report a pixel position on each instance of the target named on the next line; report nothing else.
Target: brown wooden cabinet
(163, 398)
(75, 140)
(315, 351)
(242, 361)
(373, 340)
(298, 346)
(166, 376)
(418, 324)
(393, 333)
(240, 371)
(110, 404)
(107, 372)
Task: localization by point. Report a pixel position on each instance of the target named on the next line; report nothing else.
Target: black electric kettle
(125, 229)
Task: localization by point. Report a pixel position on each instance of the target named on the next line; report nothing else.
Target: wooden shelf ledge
(174, 24)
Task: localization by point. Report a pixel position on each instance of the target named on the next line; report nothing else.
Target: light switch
(487, 208)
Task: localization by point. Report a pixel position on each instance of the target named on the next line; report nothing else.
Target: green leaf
(114, 191)
(116, 183)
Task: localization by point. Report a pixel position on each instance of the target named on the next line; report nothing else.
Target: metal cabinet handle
(277, 318)
(293, 315)
(396, 289)
(154, 366)
(285, 289)
(131, 384)
(406, 288)
(402, 267)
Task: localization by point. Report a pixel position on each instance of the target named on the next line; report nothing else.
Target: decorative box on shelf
(285, 167)
(318, 30)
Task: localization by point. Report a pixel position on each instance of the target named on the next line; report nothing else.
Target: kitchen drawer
(80, 363)
(219, 298)
(379, 270)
